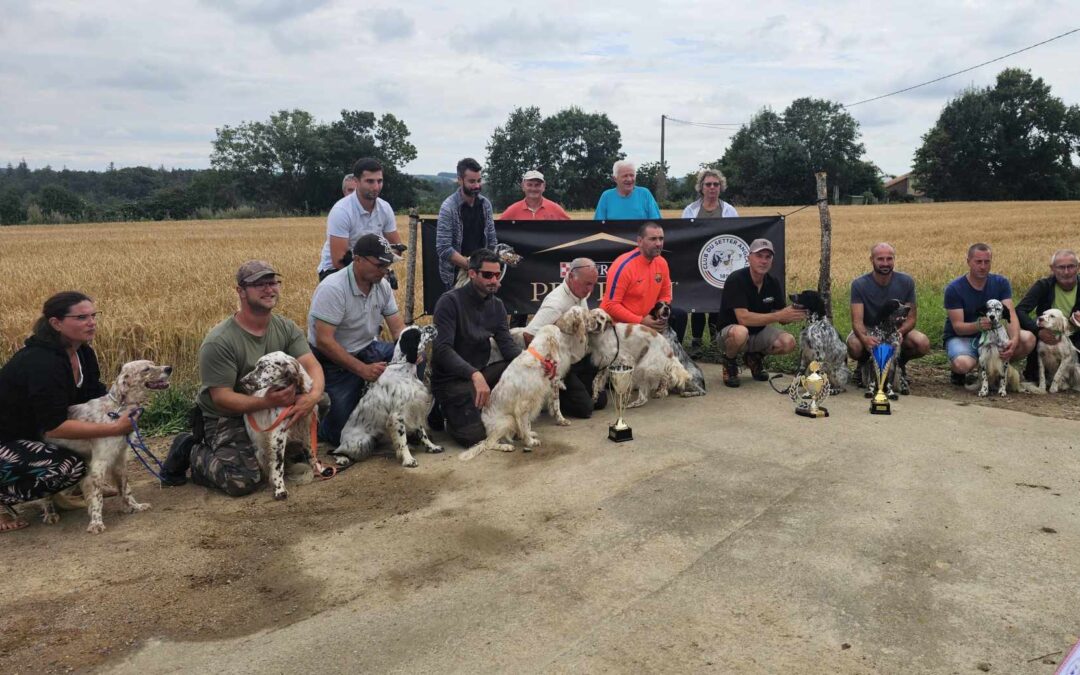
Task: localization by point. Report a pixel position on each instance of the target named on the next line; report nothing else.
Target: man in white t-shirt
(357, 214)
(576, 400)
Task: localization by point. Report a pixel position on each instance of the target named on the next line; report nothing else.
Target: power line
(707, 125)
(960, 72)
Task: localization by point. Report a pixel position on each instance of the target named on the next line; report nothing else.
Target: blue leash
(138, 446)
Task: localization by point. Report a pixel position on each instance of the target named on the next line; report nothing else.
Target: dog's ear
(409, 344)
(1006, 315)
(981, 311)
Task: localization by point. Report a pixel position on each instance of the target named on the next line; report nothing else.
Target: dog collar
(550, 367)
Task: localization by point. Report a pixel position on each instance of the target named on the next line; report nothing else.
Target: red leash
(322, 471)
(551, 368)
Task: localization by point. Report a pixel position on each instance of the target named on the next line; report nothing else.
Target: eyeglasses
(263, 284)
(83, 318)
(486, 274)
(1064, 268)
(378, 263)
(711, 184)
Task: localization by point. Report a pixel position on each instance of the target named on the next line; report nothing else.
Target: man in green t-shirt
(1057, 290)
(222, 455)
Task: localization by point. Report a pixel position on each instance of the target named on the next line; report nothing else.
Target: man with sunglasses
(347, 310)
(1055, 291)
(461, 378)
(219, 451)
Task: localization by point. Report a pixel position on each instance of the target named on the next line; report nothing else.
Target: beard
(883, 271)
(471, 192)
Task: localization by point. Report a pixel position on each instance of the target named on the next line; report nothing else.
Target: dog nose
(168, 370)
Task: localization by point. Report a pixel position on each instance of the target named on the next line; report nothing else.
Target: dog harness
(551, 368)
(322, 471)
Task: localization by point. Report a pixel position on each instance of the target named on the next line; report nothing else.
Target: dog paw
(50, 518)
(281, 494)
(95, 528)
(136, 507)
(504, 447)
(410, 463)
(434, 449)
(1053, 389)
(342, 461)
(562, 421)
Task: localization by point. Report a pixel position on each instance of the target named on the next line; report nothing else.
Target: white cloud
(147, 84)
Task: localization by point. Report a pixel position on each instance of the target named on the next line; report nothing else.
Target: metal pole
(410, 270)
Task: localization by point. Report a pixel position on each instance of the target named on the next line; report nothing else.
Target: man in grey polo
(347, 310)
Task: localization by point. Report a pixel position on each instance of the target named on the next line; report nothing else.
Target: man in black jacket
(1055, 291)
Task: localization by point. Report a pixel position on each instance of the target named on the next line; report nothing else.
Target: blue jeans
(961, 346)
(345, 389)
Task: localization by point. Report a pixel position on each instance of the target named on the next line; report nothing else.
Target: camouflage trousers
(227, 460)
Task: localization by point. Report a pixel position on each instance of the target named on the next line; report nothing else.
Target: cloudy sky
(147, 83)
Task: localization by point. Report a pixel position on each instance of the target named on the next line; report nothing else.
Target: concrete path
(729, 536)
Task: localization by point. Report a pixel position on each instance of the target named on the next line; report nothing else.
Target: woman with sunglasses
(710, 183)
(57, 368)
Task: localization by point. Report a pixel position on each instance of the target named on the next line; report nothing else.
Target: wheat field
(161, 286)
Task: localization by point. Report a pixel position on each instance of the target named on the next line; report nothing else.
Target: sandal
(10, 523)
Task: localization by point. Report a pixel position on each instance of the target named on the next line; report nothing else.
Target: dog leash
(551, 368)
(138, 446)
(322, 471)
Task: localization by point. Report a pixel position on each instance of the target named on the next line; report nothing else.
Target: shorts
(760, 341)
(961, 346)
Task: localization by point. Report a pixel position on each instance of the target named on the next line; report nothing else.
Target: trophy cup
(809, 390)
(621, 377)
(884, 355)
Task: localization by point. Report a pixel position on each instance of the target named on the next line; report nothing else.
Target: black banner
(700, 255)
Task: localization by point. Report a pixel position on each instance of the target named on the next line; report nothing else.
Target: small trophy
(884, 354)
(621, 377)
(809, 390)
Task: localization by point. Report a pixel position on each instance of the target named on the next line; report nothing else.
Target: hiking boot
(755, 361)
(175, 466)
(903, 387)
(957, 379)
(731, 372)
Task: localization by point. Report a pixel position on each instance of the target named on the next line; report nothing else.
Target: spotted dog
(268, 433)
(820, 342)
(393, 407)
(506, 254)
(885, 328)
(696, 387)
(993, 370)
(108, 456)
(1059, 360)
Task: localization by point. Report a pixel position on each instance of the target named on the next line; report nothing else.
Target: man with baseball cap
(219, 451)
(750, 306)
(347, 310)
(535, 206)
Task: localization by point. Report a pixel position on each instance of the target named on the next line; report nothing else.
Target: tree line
(1013, 140)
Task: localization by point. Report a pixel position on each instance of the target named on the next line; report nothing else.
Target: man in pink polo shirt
(534, 206)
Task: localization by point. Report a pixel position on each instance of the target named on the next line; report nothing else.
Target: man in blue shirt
(964, 297)
(626, 201)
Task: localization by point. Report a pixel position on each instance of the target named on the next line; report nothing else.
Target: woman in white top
(710, 183)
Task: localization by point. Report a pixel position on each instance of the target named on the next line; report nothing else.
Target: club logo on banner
(720, 256)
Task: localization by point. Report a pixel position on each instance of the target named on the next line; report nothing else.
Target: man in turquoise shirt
(626, 201)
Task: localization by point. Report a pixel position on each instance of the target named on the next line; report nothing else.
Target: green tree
(579, 148)
(1010, 141)
(772, 160)
(12, 210)
(648, 175)
(53, 199)
(514, 148)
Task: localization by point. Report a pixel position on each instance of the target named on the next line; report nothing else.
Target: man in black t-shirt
(752, 302)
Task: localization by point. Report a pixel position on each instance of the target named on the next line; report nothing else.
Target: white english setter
(1058, 360)
(657, 369)
(532, 379)
(137, 381)
(278, 370)
(394, 406)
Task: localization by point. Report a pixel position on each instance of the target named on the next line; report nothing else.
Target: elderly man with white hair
(626, 201)
(1058, 290)
(581, 276)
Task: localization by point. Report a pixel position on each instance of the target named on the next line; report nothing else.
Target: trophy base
(806, 411)
(880, 407)
(618, 435)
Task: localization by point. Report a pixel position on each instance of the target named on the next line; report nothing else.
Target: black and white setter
(819, 341)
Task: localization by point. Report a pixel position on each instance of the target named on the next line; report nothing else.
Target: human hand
(483, 391)
(982, 323)
(1008, 349)
(1076, 318)
(1046, 335)
(790, 314)
(280, 398)
(371, 371)
(870, 341)
(301, 408)
(652, 322)
(126, 424)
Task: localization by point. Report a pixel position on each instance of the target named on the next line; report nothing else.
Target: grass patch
(168, 412)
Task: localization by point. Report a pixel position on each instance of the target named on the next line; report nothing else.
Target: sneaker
(755, 361)
(731, 372)
(903, 387)
(957, 379)
(175, 466)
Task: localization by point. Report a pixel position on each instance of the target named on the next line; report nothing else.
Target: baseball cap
(761, 245)
(252, 271)
(532, 174)
(375, 246)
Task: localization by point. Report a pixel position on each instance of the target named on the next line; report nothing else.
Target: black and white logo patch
(720, 256)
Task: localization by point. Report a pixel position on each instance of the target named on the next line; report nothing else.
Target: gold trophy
(809, 390)
(884, 355)
(621, 377)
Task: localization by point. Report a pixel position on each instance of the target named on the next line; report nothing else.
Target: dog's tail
(473, 451)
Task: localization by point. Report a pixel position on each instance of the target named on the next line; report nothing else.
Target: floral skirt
(31, 470)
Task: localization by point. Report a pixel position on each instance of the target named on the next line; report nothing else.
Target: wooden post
(410, 270)
(825, 273)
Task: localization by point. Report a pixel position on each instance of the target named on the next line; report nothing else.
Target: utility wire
(960, 72)
(708, 125)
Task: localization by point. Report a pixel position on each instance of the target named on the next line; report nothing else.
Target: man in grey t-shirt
(868, 294)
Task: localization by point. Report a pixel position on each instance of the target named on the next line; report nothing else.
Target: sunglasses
(711, 184)
(487, 275)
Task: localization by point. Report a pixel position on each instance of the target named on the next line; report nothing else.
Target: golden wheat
(161, 286)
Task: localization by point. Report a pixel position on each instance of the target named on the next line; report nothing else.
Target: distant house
(903, 186)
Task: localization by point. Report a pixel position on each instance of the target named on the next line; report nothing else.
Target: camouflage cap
(252, 271)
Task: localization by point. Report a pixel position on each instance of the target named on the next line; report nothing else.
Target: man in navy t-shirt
(963, 298)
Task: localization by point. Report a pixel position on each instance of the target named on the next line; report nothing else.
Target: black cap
(375, 246)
